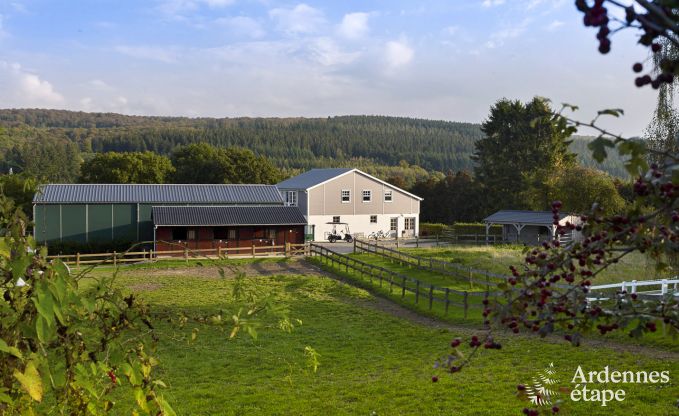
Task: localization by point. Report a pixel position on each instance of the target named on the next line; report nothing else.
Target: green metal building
(103, 213)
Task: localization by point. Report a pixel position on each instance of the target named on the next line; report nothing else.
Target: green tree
(202, 163)
(520, 146)
(136, 167)
(20, 189)
(46, 159)
(578, 188)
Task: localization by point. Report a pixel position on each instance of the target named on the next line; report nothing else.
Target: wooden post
(391, 284)
(417, 291)
(253, 249)
(431, 296)
(287, 249)
(354, 246)
(403, 288)
(77, 260)
(381, 272)
(466, 304)
(115, 259)
(186, 253)
(471, 284)
(219, 251)
(447, 299)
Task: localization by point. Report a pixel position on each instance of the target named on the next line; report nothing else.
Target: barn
(531, 227)
(107, 213)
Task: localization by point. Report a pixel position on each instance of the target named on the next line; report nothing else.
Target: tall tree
(661, 133)
(135, 167)
(520, 145)
(202, 163)
(578, 188)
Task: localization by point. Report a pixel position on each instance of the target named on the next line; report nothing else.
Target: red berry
(638, 67)
(455, 343)
(112, 376)
(555, 409)
(655, 47)
(434, 379)
(521, 387)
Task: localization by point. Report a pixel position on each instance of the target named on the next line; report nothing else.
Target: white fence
(642, 287)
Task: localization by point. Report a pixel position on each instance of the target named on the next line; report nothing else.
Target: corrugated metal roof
(217, 215)
(528, 217)
(170, 193)
(313, 177)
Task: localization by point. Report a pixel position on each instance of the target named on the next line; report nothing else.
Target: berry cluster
(654, 24)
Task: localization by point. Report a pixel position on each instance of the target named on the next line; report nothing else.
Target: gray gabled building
(530, 227)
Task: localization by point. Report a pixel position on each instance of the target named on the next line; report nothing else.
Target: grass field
(376, 358)
(497, 259)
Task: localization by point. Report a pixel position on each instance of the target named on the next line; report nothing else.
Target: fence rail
(665, 286)
(432, 265)
(115, 258)
(402, 282)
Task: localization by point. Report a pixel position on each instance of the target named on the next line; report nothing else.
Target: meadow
(376, 357)
(498, 258)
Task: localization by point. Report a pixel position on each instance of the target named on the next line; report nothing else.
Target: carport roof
(226, 216)
(523, 217)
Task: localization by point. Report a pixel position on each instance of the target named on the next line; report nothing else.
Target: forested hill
(298, 143)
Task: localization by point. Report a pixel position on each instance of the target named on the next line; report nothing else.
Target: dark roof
(311, 178)
(216, 215)
(182, 194)
(527, 217)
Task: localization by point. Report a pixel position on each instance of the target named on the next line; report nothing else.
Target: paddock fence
(115, 258)
(378, 276)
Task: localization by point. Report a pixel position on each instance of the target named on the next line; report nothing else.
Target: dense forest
(386, 146)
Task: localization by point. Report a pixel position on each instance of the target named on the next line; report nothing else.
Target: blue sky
(434, 59)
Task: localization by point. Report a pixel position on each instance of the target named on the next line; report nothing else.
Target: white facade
(365, 203)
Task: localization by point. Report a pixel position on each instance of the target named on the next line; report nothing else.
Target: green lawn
(497, 259)
(372, 362)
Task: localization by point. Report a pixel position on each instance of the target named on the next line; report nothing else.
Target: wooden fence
(116, 258)
(403, 283)
(472, 275)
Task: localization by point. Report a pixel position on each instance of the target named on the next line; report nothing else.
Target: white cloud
(26, 87)
(242, 26)
(327, 53)
(354, 25)
(492, 3)
(398, 53)
(154, 53)
(497, 39)
(301, 19)
(555, 25)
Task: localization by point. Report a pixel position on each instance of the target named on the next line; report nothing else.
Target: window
(373, 219)
(291, 198)
(346, 196)
(393, 224)
(410, 223)
(367, 195)
(388, 196)
(335, 219)
(271, 233)
(232, 234)
(191, 234)
(179, 233)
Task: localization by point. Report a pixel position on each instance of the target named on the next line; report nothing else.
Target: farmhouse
(531, 227)
(344, 195)
(193, 216)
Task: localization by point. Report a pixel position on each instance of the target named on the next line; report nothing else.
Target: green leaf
(598, 147)
(44, 303)
(10, 350)
(30, 381)
(615, 112)
(4, 248)
(42, 328)
(140, 397)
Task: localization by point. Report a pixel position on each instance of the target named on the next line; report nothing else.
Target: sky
(444, 60)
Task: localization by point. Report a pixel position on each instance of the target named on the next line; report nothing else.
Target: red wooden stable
(172, 238)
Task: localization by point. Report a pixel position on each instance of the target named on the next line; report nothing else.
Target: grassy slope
(635, 266)
(370, 361)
